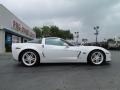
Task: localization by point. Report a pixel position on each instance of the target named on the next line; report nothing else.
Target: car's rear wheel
(29, 58)
(96, 57)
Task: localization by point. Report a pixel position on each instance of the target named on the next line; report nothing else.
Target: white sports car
(57, 50)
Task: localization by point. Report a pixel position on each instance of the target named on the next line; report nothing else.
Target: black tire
(96, 61)
(35, 55)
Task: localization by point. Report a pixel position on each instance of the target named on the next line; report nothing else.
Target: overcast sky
(76, 15)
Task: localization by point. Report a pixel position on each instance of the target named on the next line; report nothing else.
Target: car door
(71, 52)
(56, 50)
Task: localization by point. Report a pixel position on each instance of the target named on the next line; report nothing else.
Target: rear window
(35, 41)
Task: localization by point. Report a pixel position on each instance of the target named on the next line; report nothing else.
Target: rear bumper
(15, 54)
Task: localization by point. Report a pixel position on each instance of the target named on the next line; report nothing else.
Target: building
(12, 30)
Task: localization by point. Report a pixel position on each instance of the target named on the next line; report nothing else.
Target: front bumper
(108, 56)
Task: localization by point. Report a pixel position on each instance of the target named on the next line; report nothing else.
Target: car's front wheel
(96, 57)
(29, 58)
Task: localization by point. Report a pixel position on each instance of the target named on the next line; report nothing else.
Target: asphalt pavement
(71, 76)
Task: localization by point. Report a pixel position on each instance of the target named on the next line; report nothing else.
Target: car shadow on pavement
(65, 65)
(59, 67)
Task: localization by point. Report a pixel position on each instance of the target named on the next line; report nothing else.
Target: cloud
(76, 15)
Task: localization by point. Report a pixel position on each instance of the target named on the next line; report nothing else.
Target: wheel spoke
(29, 62)
(26, 59)
(94, 60)
(27, 55)
(32, 59)
(99, 54)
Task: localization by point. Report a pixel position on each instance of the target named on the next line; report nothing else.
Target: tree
(38, 32)
(53, 31)
(45, 31)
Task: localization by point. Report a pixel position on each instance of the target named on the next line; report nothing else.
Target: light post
(96, 33)
(77, 36)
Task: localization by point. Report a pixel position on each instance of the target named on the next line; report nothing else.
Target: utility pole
(77, 36)
(96, 33)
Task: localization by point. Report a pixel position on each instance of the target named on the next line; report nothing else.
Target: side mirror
(66, 45)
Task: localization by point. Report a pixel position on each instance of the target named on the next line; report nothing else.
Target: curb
(5, 56)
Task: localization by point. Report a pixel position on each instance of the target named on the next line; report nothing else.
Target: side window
(56, 42)
(35, 41)
(67, 43)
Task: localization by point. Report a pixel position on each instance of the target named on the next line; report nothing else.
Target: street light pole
(96, 33)
(77, 36)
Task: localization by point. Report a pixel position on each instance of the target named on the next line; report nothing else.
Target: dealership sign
(20, 28)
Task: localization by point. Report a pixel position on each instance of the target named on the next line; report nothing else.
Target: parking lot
(14, 76)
